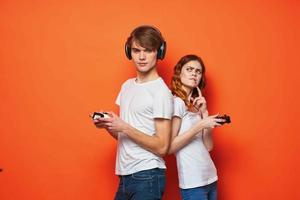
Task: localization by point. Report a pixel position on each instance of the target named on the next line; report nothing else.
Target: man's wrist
(127, 129)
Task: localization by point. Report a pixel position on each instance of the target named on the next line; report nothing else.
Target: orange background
(61, 60)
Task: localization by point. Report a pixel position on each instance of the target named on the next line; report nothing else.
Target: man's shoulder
(161, 85)
(128, 82)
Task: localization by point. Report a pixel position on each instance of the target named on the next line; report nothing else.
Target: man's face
(144, 59)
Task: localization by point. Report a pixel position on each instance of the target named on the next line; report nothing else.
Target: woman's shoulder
(178, 101)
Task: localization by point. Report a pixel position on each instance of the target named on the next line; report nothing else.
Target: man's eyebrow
(136, 49)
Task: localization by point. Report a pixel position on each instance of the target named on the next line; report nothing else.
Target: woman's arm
(176, 124)
(179, 141)
(207, 134)
(207, 139)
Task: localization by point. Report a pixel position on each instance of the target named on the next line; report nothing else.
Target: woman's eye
(189, 69)
(198, 71)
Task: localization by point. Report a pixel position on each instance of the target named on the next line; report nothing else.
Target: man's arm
(157, 143)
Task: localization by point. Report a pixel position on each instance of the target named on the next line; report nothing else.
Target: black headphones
(161, 51)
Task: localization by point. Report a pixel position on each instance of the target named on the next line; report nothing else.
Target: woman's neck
(188, 91)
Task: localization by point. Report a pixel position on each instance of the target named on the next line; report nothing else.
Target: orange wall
(61, 60)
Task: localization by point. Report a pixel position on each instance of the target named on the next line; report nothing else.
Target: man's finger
(104, 120)
(112, 114)
(108, 124)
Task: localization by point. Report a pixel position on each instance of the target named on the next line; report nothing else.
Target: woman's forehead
(193, 63)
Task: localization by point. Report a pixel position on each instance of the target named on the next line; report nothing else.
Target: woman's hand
(199, 103)
(209, 122)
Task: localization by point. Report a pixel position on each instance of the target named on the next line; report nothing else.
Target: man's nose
(142, 55)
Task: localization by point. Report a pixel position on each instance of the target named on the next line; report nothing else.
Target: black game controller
(98, 115)
(226, 117)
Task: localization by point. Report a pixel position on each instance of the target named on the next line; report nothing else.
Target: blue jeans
(207, 192)
(143, 185)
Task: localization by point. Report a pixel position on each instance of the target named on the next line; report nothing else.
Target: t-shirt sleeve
(118, 98)
(179, 107)
(163, 105)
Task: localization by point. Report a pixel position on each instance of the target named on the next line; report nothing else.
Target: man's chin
(143, 69)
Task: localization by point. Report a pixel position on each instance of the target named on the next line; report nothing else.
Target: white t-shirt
(139, 104)
(194, 164)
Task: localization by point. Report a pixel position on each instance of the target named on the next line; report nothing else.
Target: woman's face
(191, 74)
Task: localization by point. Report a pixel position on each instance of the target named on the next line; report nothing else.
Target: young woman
(191, 131)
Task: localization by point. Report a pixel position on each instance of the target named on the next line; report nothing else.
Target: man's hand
(106, 124)
(112, 124)
(97, 122)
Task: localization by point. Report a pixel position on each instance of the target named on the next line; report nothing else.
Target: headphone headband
(161, 51)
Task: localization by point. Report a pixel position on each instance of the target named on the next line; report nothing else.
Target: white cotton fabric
(194, 164)
(139, 104)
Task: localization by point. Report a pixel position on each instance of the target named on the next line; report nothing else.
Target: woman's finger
(190, 96)
(199, 91)
(200, 100)
(195, 100)
(214, 116)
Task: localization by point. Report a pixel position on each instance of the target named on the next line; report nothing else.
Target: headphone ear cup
(128, 51)
(162, 51)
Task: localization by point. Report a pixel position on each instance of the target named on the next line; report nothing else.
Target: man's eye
(135, 50)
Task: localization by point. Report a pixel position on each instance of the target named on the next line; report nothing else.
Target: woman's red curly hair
(176, 84)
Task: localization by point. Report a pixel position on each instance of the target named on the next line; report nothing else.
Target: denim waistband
(148, 172)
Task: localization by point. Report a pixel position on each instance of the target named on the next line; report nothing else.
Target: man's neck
(147, 76)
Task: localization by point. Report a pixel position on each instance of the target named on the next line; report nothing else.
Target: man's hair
(176, 84)
(147, 37)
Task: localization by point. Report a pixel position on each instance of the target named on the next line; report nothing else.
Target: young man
(144, 127)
